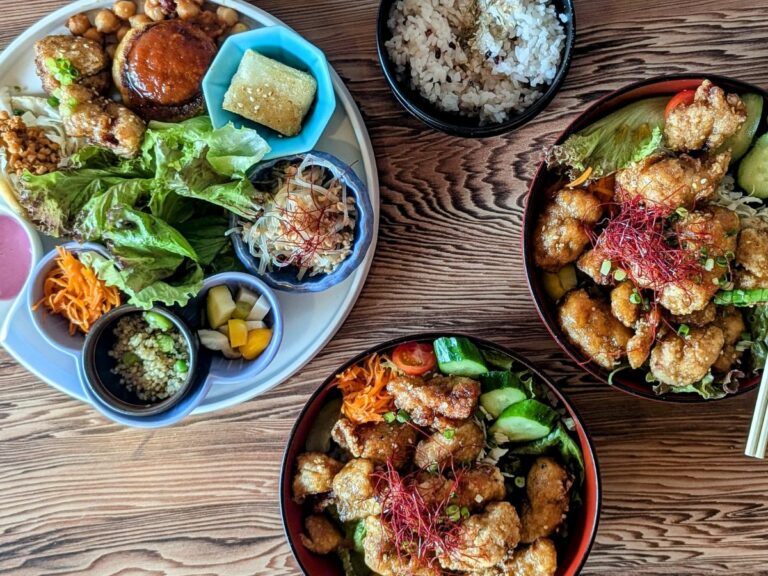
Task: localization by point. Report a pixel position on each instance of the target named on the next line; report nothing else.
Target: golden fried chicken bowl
(646, 238)
(439, 454)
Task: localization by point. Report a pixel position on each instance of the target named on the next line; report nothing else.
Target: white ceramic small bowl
(35, 253)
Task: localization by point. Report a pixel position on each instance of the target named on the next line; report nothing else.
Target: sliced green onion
(635, 297)
(389, 417)
(709, 264)
(432, 468)
(402, 416)
(614, 372)
(605, 268)
(730, 255)
(721, 261)
(620, 275)
(53, 101)
(682, 212)
(464, 512)
(520, 481)
(449, 434)
(649, 377)
(683, 330)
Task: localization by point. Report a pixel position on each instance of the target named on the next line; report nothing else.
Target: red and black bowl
(630, 381)
(582, 527)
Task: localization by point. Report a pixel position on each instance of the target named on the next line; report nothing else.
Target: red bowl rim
(619, 381)
(585, 439)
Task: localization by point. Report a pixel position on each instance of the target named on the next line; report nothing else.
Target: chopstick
(758, 432)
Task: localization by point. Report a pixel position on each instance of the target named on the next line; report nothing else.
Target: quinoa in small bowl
(142, 368)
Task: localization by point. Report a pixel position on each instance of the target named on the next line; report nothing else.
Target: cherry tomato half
(414, 358)
(684, 97)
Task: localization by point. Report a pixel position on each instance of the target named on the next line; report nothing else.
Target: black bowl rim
(104, 395)
(421, 109)
(534, 285)
(286, 466)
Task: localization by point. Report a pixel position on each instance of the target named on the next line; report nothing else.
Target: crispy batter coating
(464, 446)
(673, 181)
(709, 121)
(752, 255)
(561, 231)
(639, 346)
(322, 536)
(622, 308)
(383, 559)
(101, 121)
(590, 325)
(87, 56)
(484, 539)
(679, 361)
(731, 322)
(547, 487)
(441, 402)
(698, 318)
(379, 441)
(538, 559)
(355, 490)
(590, 263)
(314, 474)
(478, 486)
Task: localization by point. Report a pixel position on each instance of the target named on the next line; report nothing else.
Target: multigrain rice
(480, 58)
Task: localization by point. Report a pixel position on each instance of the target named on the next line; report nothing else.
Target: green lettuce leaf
(613, 142)
(208, 236)
(708, 388)
(758, 326)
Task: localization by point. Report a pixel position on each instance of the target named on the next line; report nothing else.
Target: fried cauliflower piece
(682, 361)
(538, 559)
(382, 557)
(639, 346)
(322, 536)
(707, 122)
(731, 322)
(101, 121)
(464, 446)
(591, 327)
(752, 255)
(622, 307)
(673, 181)
(590, 263)
(561, 231)
(355, 491)
(547, 487)
(442, 402)
(484, 539)
(314, 474)
(86, 56)
(698, 318)
(478, 486)
(380, 442)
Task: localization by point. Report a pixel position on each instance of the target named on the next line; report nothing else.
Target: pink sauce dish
(20, 249)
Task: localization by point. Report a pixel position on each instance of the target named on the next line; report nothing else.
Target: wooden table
(80, 495)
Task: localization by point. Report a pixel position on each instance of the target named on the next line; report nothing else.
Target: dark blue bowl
(286, 279)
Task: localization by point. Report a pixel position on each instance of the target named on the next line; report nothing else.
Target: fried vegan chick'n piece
(561, 234)
(321, 537)
(314, 474)
(442, 402)
(707, 122)
(464, 445)
(380, 442)
(752, 254)
(382, 557)
(87, 56)
(673, 181)
(731, 322)
(355, 491)
(547, 488)
(591, 326)
(538, 559)
(682, 361)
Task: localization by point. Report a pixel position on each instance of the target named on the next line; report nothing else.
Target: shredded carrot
(364, 387)
(603, 188)
(581, 179)
(74, 291)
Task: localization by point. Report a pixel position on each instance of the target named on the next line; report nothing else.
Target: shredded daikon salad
(306, 219)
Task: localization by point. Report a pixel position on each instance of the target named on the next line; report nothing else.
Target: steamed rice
(480, 58)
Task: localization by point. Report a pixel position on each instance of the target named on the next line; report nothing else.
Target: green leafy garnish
(62, 70)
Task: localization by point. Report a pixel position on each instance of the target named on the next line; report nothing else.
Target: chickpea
(124, 9)
(79, 24)
(227, 16)
(139, 20)
(187, 9)
(93, 34)
(238, 28)
(122, 32)
(153, 9)
(111, 50)
(106, 22)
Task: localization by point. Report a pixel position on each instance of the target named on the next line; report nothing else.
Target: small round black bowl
(451, 122)
(105, 386)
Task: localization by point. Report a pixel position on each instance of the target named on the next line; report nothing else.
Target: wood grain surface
(79, 495)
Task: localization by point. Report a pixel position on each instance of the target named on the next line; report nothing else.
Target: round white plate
(311, 320)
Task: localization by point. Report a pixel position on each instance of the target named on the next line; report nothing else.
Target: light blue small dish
(286, 279)
(283, 45)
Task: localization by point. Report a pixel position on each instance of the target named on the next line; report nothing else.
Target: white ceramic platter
(311, 320)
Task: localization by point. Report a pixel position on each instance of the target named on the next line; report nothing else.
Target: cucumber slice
(740, 142)
(524, 421)
(496, 401)
(753, 170)
(499, 379)
(498, 360)
(459, 357)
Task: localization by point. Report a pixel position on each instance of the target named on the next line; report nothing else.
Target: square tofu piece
(271, 93)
